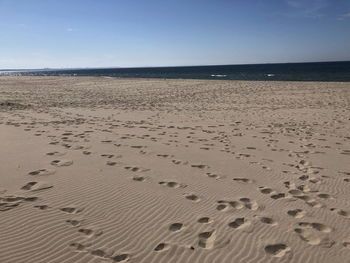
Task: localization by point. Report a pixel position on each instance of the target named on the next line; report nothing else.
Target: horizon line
(206, 65)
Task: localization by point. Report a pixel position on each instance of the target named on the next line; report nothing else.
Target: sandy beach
(100, 169)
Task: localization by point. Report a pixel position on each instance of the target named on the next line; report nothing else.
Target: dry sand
(146, 170)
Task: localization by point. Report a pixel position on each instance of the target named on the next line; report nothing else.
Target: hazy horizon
(106, 34)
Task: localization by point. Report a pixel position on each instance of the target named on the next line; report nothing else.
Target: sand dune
(146, 170)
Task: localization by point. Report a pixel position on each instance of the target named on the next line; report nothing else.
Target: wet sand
(149, 170)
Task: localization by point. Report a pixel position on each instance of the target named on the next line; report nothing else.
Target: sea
(312, 71)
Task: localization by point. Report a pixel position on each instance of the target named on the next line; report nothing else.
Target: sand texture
(191, 171)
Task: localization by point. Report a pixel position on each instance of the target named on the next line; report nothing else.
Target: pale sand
(119, 170)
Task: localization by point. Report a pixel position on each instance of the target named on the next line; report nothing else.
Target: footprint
(36, 186)
(161, 247)
(192, 197)
(200, 166)
(341, 212)
(250, 204)
(107, 155)
(212, 175)
(71, 210)
(42, 172)
(90, 232)
(296, 213)
(277, 250)
(139, 178)
(317, 226)
(98, 252)
(77, 246)
(73, 222)
(265, 190)
(175, 227)
(222, 207)
(243, 180)
(55, 153)
(278, 196)
(136, 169)
(41, 207)
(173, 184)
(204, 220)
(239, 223)
(60, 163)
(268, 220)
(207, 239)
(111, 163)
(307, 236)
(121, 258)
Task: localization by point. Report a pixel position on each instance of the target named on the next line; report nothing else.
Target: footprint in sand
(111, 163)
(268, 220)
(175, 227)
(173, 184)
(162, 247)
(200, 166)
(90, 232)
(74, 222)
(296, 213)
(277, 250)
(204, 220)
(135, 169)
(36, 186)
(212, 175)
(42, 172)
(192, 197)
(61, 163)
(248, 203)
(278, 196)
(10, 202)
(42, 207)
(341, 212)
(239, 223)
(78, 246)
(206, 239)
(139, 178)
(121, 258)
(266, 190)
(308, 233)
(55, 153)
(71, 210)
(243, 180)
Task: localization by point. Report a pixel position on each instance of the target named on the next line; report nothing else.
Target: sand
(148, 170)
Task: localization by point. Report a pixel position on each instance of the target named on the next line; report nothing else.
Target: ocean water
(320, 71)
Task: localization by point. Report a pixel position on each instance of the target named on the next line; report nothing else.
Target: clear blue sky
(105, 33)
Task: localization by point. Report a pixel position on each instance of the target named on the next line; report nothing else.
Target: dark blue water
(320, 71)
